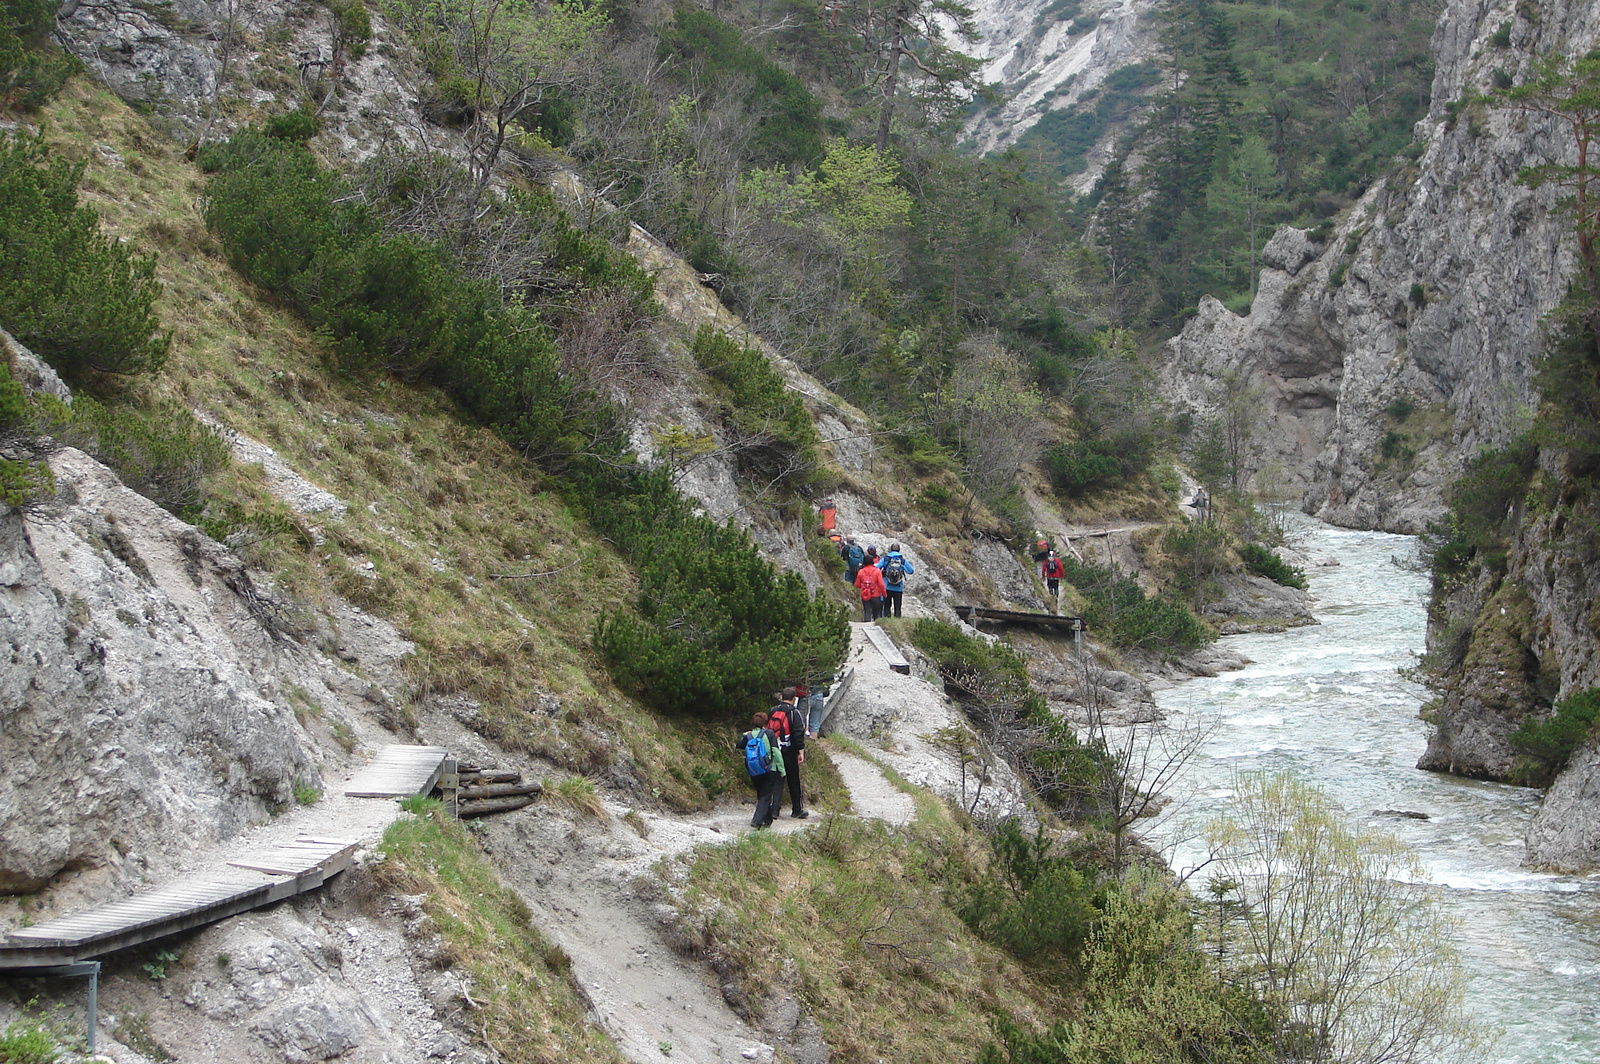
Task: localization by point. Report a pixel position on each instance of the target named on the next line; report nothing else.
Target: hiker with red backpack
(765, 766)
(870, 583)
(785, 721)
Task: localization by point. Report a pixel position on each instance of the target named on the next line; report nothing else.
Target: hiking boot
(801, 815)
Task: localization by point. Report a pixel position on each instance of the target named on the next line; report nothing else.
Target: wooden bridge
(261, 878)
(1042, 620)
(66, 945)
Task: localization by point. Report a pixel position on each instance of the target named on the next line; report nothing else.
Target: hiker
(896, 567)
(1041, 550)
(813, 703)
(827, 514)
(853, 557)
(870, 582)
(784, 721)
(1053, 572)
(766, 770)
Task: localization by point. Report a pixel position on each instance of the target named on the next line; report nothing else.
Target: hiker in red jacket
(1053, 572)
(870, 581)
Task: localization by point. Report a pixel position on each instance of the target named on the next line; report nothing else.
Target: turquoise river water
(1330, 703)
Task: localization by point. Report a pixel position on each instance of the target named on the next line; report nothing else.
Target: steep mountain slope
(1050, 59)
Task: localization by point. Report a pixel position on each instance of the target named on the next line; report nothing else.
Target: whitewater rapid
(1333, 704)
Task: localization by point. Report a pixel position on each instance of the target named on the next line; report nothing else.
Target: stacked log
(483, 791)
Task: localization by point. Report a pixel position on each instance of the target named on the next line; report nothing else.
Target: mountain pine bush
(79, 299)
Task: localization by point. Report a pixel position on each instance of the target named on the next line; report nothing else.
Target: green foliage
(401, 305)
(775, 434)
(13, 399)
(163, 452)
(1399, 408)
(1083, 467)
(1032, 903)
(1549, 744)
(79, 299)
(28, 1041)
(1418, 295)
(1501, 38)
(717, 627)
(297, 125)
(23, 482)
(1120, 612)
(32, 69)
(790, 129)
(352, 26)
(1149, 996)
(1263, 562)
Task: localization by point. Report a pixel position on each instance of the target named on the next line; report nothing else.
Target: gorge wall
(1430, 289)
(1384, 352)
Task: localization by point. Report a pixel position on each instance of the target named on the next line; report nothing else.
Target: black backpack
(894, 570)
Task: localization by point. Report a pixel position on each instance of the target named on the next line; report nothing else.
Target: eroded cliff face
(1429, 290)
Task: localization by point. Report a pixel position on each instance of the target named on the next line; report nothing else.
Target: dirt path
(593, 888)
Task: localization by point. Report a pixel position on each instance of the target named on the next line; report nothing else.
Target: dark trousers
(872, 608)
(892, 602)
(791, 772)
(769, 798)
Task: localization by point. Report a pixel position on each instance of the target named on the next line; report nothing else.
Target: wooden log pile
(482, 791)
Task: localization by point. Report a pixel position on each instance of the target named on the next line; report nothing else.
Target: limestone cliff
(1400, 341)
(1390, 348)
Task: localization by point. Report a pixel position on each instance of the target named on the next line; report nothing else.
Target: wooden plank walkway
(1043, 620)
(306, 864)
(891, 653)
(274, 872)
(399, 771)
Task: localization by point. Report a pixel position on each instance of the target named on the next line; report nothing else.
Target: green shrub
(393, 304)
(777, 437)
(1119, 611)
(1032, 903)
(1550, 743)
(32, 69)
(13, 399)
(163, 452)
(1084, 466)
(1263, 562)
(716, 628)
(790, 127)
(79, 299)
(28, 1042)
(1501, 37)
(1399, 408)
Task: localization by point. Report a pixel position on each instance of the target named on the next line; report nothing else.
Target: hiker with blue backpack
(896, 567)
(765, 765)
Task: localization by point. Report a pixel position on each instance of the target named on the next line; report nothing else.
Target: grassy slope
(439, 508)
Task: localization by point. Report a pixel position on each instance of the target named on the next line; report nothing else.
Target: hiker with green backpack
(765, 765)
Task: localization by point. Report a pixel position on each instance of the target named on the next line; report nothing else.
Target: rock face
(1429, 291)
(147, 705)
(1046, 63)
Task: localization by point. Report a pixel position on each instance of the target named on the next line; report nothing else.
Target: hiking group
(774, 750)
(880, 579)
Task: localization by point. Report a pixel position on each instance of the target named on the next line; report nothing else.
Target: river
(1330, 703)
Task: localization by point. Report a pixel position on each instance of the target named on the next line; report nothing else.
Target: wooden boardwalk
(1042, 620)
(891, 653)
(270, 874)
(399, 771)
(301, 866)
